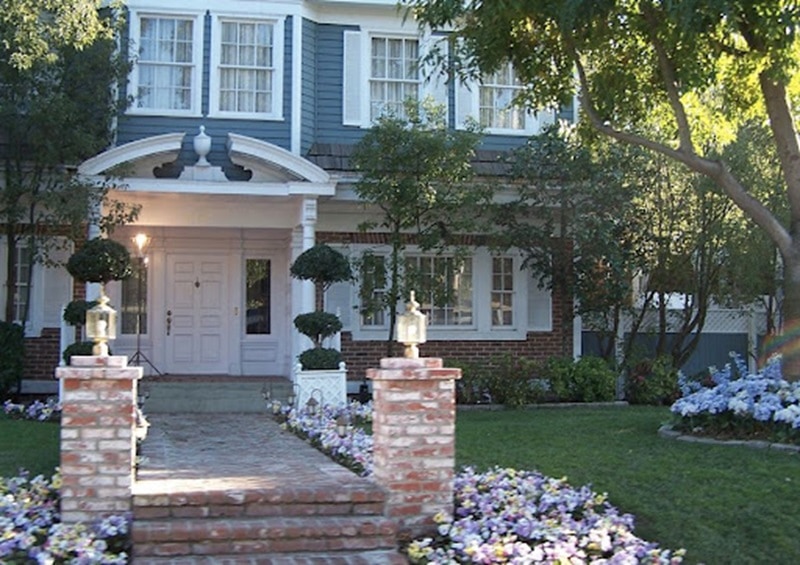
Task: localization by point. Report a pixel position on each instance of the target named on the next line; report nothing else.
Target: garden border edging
(545, 405)
(666, 431)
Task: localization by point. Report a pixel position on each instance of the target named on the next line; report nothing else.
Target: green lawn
(29, 445)
(723, 504)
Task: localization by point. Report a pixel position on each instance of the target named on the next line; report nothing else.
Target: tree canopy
(33, 31)
(704, 67)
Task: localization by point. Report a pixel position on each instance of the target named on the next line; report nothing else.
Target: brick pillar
(413, 434)
(98, 416)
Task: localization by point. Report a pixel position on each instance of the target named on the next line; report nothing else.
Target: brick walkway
(248, 460)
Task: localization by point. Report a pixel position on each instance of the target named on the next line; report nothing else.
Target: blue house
(236, 145)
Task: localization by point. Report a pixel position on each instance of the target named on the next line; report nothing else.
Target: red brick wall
(41, 355)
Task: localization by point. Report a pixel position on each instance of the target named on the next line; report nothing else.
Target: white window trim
(197, 59)
(467, 106)
(481, 329)
(435, 87)
(278, 58)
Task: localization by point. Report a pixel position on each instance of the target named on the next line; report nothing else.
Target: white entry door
(196, 321)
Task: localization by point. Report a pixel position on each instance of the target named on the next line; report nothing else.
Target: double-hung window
(385, 68)
(373, 290)
(497, 109)
(394, 74)
(22, 283)
(246, 79)
(445, 288)
(167, 64)
(502, 297)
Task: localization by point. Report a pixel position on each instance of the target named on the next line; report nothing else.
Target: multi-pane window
(502, 291)
(133, 309)
(497, 109)
(394, 75)
(166, 63)
(246, 67)
(258, 296)
(373, 290)
(445, 288)
(22, 283)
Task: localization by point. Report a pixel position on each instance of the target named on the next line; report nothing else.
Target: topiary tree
(323, 266)
(100, 260)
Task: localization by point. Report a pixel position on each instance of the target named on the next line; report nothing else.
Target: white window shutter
(540, 307)
(434, 77)
(466, 103)
(337, 301)
(353, 80)
(57, 286)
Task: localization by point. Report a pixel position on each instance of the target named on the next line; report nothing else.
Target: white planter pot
(326, 386)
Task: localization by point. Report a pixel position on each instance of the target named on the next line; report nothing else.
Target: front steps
(211, 394)
(273, 526)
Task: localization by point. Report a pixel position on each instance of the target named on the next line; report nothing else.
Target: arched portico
(219, 299)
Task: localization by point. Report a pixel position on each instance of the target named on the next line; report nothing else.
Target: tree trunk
(788, 341)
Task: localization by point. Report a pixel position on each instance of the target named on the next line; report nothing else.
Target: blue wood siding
(308, 86)
(330, 73)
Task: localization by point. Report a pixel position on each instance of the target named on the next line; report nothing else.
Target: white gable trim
(167, 145)
(251, 153)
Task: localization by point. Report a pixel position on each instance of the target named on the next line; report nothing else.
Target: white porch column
(93, 231)
(302, 291)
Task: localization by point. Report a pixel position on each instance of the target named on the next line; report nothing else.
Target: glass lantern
(101, 325)
(412, 328)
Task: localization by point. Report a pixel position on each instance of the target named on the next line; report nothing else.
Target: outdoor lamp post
(412, 328)
(101, 325)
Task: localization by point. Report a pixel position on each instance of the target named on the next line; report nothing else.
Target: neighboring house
(282, 91)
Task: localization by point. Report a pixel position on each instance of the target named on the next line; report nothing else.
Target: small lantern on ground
(312, 406)
(341, 425)
(412, 328)
(101, 325)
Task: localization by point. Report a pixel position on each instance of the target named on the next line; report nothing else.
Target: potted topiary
(320, 368)
(75, 315)
(101, 261)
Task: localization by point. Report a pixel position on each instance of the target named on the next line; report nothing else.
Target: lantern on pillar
(101, 325)
(412, 328)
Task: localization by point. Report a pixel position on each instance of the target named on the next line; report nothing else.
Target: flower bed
(734, 404)
(37, 410)
(501, 516)
(30, 530)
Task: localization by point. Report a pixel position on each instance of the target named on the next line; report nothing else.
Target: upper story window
(246, 77)
(394, 75)
(166, 75)
(382, 69)
(491, 102)
(497, 109)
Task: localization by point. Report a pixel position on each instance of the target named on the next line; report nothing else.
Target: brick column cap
(404, 369)
(111, 361)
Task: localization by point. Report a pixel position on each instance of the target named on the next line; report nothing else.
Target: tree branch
(715, 170)
(670, 82)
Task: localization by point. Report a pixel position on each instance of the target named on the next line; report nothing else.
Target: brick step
(174, 537)
(379, 557)
(363, 500)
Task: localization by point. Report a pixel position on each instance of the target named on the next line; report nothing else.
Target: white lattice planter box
(326, 386)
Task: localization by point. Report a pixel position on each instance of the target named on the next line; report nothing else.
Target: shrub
(100, 260)
(320, 358)
(741, 405)
(509, 380)
(12, 353)
(317, 326)
(79, 348)
(471, 388)
(589, 379)
(321, 265)
(75, 312)
(652, 381)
